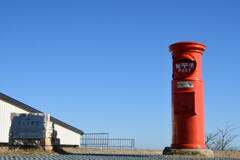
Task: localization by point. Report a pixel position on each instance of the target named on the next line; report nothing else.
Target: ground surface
(217, 154)
(99, 154)
(95, 157)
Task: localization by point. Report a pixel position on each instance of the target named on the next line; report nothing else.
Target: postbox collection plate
(184, 84)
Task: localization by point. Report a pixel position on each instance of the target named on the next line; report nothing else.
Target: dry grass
(4, 151)
(227, 154)
(113, 151)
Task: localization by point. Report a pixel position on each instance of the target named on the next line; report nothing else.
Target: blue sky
(104, 66)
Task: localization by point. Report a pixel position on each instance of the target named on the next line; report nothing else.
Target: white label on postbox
(184, 84)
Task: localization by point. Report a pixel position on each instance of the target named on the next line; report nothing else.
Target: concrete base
(189, 152)
(48, 148)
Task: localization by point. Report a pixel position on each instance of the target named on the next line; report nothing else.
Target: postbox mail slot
(184, 103)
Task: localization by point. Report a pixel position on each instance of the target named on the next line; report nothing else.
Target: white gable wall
(5, 119)
(67, 137)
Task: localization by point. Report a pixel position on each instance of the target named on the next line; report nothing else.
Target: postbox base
(190, 152)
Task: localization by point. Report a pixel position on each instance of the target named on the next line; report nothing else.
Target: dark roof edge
(65, 125)
(31, 109)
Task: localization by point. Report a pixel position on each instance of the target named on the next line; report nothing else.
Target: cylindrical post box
(187, 96)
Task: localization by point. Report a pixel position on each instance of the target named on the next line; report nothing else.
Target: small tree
(222, 139)
(210, 140)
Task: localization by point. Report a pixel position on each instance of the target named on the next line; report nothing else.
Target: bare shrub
(222, 139)
(210, 140)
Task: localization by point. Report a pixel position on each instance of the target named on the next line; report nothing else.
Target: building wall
(5, 119)
(67, 137)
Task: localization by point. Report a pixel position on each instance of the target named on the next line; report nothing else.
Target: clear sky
(104, 65)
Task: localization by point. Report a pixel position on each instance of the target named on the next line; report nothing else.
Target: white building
(68, 135)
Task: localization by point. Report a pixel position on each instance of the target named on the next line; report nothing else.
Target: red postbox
(187, 96)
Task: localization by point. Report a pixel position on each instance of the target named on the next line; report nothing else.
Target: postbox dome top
(187, 45)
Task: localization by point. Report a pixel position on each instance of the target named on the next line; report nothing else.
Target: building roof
(33, 110)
